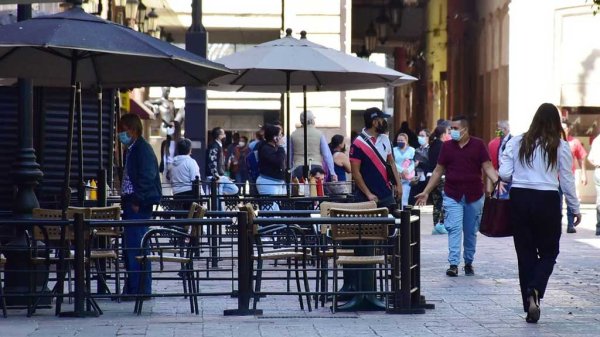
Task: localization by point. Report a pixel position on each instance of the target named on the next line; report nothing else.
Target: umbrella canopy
(106, 53)
(264, 68)
(74, 47)
(290, 64)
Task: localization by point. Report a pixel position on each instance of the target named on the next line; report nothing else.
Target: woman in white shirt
(537, 162)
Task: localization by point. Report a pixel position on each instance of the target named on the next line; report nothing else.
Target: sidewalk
(487, 304)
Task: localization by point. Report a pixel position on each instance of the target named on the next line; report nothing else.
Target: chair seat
(154, 258)
(340, 252)
(274, 255)
(107, 232)
(103, 254)
(375, 259)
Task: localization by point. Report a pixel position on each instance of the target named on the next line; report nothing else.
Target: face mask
(241, 144)
(382, 127)
(170, 131)
(455, 135)
(401, 144)
(125, 138)
(422, 140)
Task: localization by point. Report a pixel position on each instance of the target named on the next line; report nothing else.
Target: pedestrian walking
(436, 139)
(271, 164)
(537, 163)
(594, 158)
(462, 161)
(578, 152)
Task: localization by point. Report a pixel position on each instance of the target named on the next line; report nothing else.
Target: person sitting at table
(183, 172)
(271, 164)
(141, 189)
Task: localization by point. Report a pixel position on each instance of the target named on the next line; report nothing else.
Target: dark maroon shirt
(463, 168)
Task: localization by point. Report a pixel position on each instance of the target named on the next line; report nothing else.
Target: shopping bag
(495, 220)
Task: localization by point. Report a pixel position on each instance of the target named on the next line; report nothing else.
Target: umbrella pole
(101, 175)
(81, 182)
(287, 132)
(66, 190)
(305, 169)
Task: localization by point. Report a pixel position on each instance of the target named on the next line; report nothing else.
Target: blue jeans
(132, 238)
(269, 186)
(405, 192)
(461, 216)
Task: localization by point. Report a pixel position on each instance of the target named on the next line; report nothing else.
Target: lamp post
(370, 39)
(131, 11)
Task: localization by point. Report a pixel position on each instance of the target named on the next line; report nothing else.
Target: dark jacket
(214, 160)
(142, 169)
(271, 161)
(435, 148)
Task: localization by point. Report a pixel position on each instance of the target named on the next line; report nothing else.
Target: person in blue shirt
(404, 156)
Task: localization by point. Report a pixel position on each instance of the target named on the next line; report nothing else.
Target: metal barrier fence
(236, 252)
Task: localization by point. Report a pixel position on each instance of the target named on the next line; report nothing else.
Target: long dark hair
(437, 133)
(545, 131)
(336, 141)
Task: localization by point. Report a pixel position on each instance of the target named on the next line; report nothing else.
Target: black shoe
(571, 230)
(533, 311)
(469, 271)
(452, 271)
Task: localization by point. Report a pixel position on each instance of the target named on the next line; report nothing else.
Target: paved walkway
(487, 304)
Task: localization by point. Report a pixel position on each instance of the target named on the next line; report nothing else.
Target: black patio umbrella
(75, 47)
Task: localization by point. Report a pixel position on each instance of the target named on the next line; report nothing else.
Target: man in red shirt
(579, 155)
(462, 159)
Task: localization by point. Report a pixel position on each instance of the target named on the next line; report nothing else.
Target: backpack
(252, 162)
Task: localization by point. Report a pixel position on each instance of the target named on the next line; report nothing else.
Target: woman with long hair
(341, 162)
(436, 139)
(537, 163)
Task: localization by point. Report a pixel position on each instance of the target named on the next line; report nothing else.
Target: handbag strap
(368, 141)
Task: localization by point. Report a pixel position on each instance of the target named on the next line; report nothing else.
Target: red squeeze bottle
(320, 192)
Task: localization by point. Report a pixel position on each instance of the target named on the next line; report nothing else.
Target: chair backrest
(353, 231)
(196, 211)
(53, 232)
(249, 209)
(327, 205)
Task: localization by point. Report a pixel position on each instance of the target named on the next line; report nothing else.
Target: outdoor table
(357, 281)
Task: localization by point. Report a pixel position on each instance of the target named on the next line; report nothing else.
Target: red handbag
(495, 220)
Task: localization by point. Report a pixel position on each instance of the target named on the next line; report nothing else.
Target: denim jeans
(270, 186)
(462, 217)
(405, 192)
(132, 239)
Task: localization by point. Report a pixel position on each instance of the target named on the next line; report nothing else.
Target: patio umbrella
(289, 64)
(74, 47)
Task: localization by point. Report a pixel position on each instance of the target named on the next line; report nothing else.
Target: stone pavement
(487, 304)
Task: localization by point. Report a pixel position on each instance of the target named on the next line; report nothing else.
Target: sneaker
(469, 271)
(571, 230)
(440, 228)
(452, 271)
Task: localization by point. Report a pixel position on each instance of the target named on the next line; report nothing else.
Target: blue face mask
(422, 140)
(455, 134)
(125, 138)
(401, 144)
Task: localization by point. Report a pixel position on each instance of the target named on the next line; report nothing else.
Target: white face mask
(241, 144)
(170, 130)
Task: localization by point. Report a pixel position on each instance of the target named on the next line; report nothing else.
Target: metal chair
(106, 241)
(296, 251)
(185, 261)
(325, 252)
(359, 234)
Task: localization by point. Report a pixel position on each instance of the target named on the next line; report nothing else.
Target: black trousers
(536, 220)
